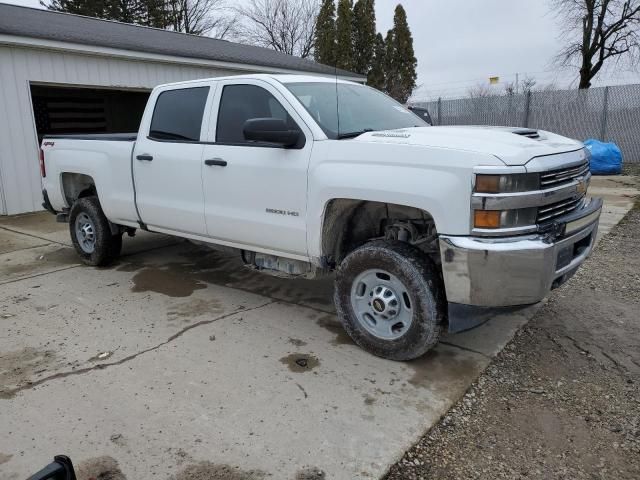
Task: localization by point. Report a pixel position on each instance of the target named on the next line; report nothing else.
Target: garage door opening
(63, 110)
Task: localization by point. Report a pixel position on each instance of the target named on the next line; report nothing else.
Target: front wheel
(91, 234)
(390, 299)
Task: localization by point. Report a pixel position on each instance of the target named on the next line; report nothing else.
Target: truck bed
(101, 160)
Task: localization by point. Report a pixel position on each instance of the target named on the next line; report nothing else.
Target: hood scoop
(527, 132)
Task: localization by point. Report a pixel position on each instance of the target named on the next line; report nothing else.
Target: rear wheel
(91, 234)
(390, 299)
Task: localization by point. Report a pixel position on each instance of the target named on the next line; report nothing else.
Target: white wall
(19, 169)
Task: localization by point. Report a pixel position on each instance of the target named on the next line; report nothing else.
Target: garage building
(62, 73)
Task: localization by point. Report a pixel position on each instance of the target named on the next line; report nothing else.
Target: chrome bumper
(499, 272)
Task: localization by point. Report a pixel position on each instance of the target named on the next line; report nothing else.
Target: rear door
(255, 194)
(167, 160)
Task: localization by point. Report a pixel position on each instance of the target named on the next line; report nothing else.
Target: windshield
(359, 109)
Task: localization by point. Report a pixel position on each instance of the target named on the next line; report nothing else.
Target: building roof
(64, 27)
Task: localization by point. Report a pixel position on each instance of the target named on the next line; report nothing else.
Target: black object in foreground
(60, 469)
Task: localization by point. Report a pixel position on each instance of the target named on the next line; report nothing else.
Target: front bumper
(499, 272)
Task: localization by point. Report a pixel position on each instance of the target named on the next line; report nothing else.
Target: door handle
(144, 157)
(216, 161)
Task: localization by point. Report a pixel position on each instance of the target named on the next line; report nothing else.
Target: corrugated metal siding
(19, 170)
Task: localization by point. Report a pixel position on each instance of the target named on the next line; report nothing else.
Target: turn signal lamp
(486, 218)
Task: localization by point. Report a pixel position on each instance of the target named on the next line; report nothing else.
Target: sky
(461, 43)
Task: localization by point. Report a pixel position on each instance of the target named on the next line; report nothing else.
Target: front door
(167, 163)
(255, 194)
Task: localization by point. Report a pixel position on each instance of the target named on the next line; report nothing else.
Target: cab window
(178, 114)
(240, 103)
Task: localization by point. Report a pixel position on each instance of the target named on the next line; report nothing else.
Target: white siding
(19, 171)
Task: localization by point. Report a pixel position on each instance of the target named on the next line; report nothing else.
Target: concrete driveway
(177, 362)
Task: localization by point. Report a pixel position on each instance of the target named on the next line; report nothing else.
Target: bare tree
(480, 90)
(214, 18)
(598, 31)
(527, 84)
(510, 89)
(284, 25)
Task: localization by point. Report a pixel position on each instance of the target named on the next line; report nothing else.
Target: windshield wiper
(354, 134)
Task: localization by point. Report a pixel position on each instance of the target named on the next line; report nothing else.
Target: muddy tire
(91, 234)
(390, 299)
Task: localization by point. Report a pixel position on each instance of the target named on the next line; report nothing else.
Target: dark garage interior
(65, 110)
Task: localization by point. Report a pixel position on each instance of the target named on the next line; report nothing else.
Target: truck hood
(514, 146)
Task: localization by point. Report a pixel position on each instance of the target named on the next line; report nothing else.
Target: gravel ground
(563, 399)
(631, 169)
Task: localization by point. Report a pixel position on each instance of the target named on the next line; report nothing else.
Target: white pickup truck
(425, 227)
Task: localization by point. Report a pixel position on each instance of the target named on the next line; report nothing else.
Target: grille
(553, 210)
(526, 132)
(561, 176)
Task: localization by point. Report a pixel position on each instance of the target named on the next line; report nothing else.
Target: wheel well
(77, 185)
(350, 223)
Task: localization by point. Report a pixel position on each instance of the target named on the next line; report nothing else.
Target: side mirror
(270, 130)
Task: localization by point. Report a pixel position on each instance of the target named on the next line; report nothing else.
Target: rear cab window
(177, 115)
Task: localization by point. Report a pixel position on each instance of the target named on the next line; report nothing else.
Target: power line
(495, 74)
(564, 78)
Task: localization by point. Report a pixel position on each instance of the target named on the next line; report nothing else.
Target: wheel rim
(85, 233)
(382, 304)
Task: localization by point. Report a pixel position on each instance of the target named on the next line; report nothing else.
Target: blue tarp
(606, 158)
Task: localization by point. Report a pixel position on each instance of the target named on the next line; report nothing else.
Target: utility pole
(517, 82)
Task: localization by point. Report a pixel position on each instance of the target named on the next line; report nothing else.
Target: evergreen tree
(401, 62)
(198, 17)
(325, 36)
(376, 76)
(155, 13)
(389, 61)
(344, 44)
(127, 11)
(364, 35)
(89, 8)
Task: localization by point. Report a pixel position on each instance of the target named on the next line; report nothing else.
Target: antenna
(335, 73)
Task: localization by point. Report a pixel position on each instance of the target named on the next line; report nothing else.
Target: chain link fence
(610, 114)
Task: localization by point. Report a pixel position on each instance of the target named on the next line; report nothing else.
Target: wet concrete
(168, 281)
(333, 325)
(206, 266)
(251, 391)
(300, 362)
(442, 369)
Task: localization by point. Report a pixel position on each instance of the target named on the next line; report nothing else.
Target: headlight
(519, 217)
(517, 182)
